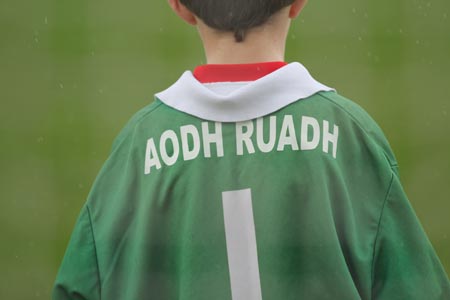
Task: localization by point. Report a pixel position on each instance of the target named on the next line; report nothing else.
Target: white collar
(253, 100)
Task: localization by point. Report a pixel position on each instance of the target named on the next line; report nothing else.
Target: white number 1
(241, 245)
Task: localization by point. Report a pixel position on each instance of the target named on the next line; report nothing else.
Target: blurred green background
(73, 72)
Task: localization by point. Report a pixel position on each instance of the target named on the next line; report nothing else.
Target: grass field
(73, 72)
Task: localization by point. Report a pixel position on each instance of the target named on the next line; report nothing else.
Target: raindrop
(46, 20)
(61, 85)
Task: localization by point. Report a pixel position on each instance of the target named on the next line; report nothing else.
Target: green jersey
(278, 188)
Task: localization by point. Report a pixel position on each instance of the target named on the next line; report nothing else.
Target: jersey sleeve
(405, 265)
(78, 276)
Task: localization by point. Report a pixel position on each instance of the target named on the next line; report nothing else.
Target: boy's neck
(242, 53)
(263, 44)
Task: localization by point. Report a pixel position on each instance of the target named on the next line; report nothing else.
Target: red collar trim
(235, 72)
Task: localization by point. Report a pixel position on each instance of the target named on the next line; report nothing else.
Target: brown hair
(237, 16)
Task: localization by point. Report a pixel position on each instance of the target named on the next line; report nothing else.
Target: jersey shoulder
(360, 119)
(135, 120)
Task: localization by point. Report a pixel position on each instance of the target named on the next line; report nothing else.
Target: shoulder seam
(378, 230)
(130, 126)
(95, 252)
(133, 133)
(392, 164)
(148, 112)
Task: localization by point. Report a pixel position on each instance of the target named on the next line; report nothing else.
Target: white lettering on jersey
(169, 157)
(330, 138)
(266, 147)
(151, 157)
(189, 140)
(212, 138)
(186, 132)
(242, 251)
(305, 143)
(244, 137)
(287, 134)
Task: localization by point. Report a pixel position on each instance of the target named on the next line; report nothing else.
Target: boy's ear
(183, 12)
(296, 8)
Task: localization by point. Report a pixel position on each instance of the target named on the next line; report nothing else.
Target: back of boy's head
(237, 16)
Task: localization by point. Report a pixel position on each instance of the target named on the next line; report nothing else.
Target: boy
(249, 180)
